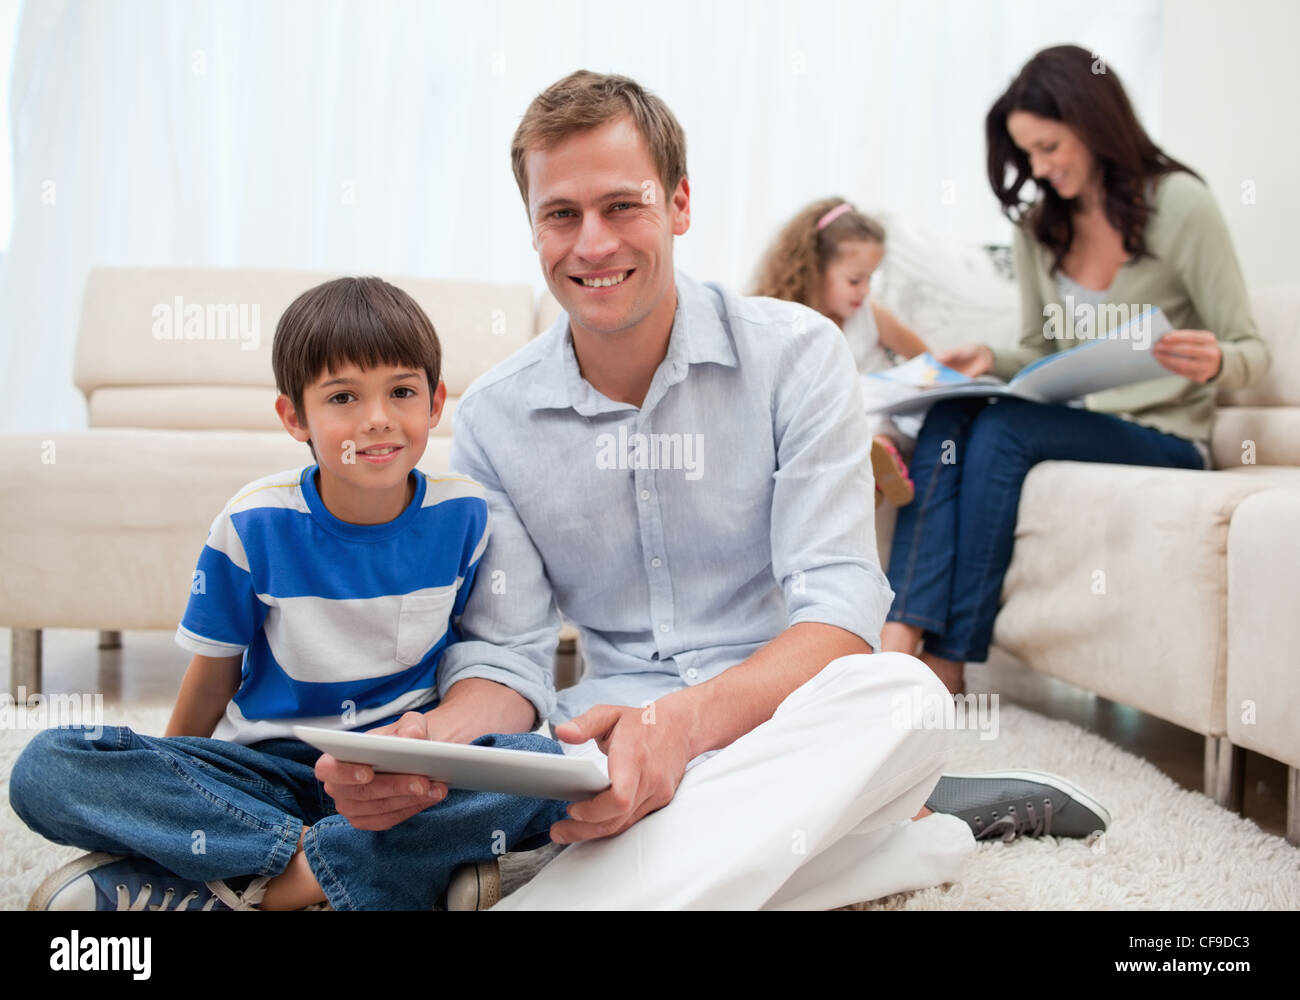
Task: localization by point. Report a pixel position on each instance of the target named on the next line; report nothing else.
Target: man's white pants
(810, 810)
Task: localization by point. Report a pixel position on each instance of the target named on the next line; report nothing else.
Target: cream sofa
(102, 527)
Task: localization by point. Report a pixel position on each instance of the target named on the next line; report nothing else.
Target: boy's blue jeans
(207, 809)
(952, 543)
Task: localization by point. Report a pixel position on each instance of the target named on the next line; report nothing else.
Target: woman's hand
(1193, 354)
(972, 360)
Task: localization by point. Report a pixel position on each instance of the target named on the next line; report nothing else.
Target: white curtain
(362, 137)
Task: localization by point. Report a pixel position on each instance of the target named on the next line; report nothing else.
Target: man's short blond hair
(586, 100)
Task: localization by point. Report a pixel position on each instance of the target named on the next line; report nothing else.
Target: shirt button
(656, 562)
(663, 626)
(692, 673)
(645, 494)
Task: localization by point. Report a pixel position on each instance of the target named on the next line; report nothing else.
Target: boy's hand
(473, 707)
(648, 751)
(371, 801)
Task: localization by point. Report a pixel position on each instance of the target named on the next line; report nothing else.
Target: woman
(1117, 222)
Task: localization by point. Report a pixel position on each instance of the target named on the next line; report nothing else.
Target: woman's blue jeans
(207, 809)
(952, 543)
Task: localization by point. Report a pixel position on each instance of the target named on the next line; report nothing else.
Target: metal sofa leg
(1293, 806)
(1225, 773)
(24, 662)
(110, 640)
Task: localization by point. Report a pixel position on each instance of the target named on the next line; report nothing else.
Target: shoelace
(1012, 825)
(246, 900)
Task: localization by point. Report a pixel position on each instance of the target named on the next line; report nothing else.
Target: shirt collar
(698, 337)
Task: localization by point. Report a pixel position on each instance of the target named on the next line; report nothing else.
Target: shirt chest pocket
(422, 621)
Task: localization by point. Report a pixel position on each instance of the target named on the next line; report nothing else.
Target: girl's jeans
(207, 809)
(952, 544)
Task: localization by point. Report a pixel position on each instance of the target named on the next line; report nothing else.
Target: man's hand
(648, 750)
(371, 801)
(1193, 354)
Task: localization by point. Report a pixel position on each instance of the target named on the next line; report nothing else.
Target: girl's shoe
(892, 482)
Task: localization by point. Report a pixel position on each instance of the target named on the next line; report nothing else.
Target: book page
(915, 385)
(925, 372)
(1121, 358)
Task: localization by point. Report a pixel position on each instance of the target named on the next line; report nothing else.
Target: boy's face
(599, 214)
(369, 427)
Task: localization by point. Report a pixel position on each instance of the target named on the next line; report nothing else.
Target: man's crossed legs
(810, 810)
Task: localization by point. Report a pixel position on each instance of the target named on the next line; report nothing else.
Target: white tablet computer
(459, 765)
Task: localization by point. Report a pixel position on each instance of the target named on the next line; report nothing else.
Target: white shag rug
(1167, 848)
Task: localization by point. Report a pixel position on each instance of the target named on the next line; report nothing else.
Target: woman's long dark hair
(1068, 84)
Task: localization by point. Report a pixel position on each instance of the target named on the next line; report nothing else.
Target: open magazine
(1122, 357)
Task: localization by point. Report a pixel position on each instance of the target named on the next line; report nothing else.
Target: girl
(824, 258)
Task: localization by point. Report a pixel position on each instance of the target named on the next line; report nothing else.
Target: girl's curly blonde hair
(793, 266)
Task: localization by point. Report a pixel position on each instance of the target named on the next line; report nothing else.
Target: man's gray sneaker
(1008, 804)
(102, 881)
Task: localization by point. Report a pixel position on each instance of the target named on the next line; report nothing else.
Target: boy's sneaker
(1008, 804)
(102, 881)
(475, 887)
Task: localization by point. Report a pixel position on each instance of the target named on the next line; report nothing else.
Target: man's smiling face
(603, 227)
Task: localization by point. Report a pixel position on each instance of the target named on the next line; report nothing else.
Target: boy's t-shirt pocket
(422, 622)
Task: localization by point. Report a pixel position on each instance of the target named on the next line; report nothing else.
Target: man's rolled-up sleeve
(823, 505)
(510, 626)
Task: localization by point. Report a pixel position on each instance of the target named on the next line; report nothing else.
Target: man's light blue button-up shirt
(678, 537)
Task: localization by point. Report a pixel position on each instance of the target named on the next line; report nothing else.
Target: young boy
(324, 596)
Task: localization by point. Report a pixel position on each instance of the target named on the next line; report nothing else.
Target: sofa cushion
(1118, 582)
(548, 311)
(950, 292)
(203, 407)
(1255, 435)
(1277, 313)
(167, 327)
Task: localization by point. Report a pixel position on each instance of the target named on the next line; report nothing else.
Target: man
(684, 473)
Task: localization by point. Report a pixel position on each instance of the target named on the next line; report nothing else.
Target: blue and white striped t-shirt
(341, 625)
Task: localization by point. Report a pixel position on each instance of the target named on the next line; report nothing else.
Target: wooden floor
(147, 671)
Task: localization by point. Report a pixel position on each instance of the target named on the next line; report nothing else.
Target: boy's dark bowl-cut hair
(365, 321)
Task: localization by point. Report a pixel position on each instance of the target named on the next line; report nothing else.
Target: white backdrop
(360, 137)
